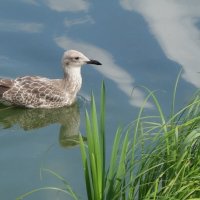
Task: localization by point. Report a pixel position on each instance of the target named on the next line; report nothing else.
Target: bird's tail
(5, 84)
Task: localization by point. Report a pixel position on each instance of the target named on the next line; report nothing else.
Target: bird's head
(73, 58)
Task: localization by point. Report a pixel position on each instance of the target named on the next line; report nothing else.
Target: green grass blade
(97, 157)
(174, 93)
(40, 189)
(89, 186)
(68, 187)
(102, 133)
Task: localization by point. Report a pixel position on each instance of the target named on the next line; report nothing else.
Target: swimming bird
(41, 92)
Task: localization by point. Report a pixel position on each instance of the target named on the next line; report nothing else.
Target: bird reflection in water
(28, 119)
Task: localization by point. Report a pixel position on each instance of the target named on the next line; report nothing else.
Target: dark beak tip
(98, 63)
(94, 62)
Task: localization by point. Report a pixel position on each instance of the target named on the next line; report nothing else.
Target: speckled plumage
(40, 92)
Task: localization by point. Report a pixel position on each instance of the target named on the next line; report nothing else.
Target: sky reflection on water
(139, 42)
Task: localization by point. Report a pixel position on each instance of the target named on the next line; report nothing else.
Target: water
(139, 43)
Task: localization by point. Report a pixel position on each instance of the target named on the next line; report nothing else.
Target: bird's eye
(76, 58)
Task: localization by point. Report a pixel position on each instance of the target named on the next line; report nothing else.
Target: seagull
(41, 92)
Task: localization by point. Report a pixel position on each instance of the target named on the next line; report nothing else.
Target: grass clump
(155, 158)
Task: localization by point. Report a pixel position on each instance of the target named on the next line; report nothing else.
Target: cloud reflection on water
(109, 69)
(78, 21)
(16, 26)
(32, 2)
(62, 5)
(174, 25)
(68, 5)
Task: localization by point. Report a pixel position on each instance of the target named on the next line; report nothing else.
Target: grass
(155, 158)
(67, 190)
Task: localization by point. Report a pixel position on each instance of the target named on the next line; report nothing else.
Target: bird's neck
(72, 72)
(72, 79)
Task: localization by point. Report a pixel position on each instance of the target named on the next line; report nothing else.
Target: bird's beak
(94, 62)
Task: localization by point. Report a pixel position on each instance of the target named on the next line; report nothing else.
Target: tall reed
(154, 158)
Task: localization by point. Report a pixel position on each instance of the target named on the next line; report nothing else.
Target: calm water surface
(139, 42)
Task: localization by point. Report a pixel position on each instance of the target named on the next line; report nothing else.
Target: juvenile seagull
(40, 92)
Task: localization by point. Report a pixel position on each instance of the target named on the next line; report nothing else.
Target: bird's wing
(34, 91)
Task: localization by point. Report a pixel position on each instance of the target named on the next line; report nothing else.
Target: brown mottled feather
(5, 84)
(34, 91)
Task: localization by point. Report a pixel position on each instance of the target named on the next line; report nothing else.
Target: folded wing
(30, 91)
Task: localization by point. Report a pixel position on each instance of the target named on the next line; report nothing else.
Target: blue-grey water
(139, 42)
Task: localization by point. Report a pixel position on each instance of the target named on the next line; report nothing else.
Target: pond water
(139, 43)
